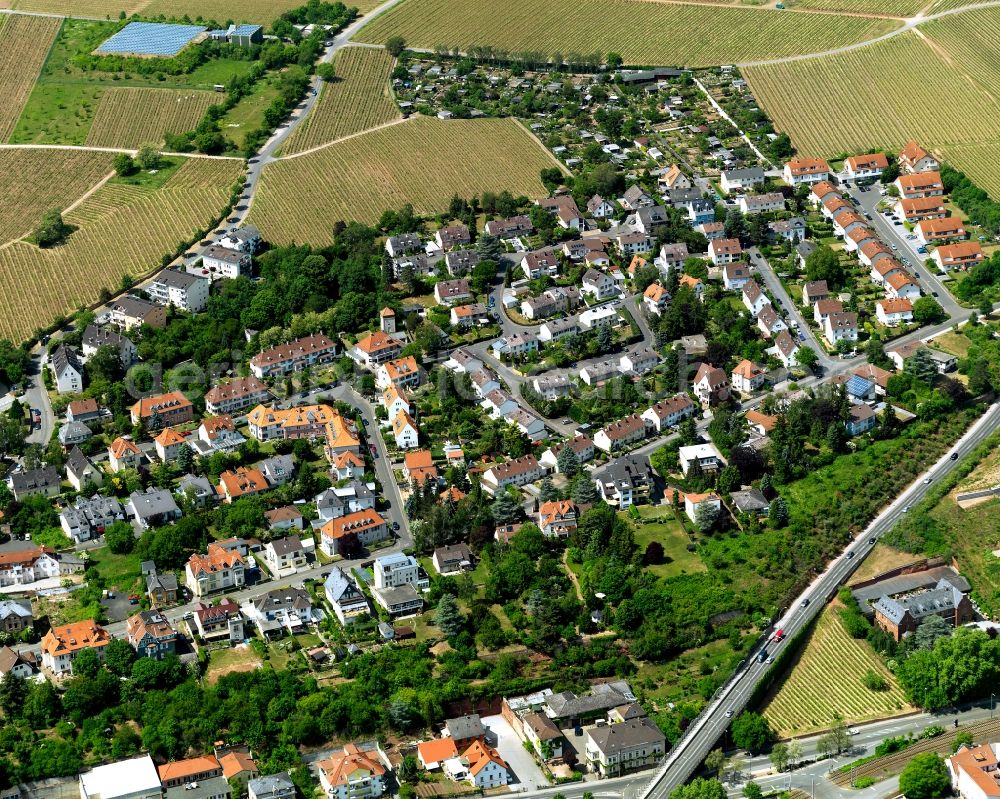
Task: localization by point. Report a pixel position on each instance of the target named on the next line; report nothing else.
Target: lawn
(953, 342)
(421, 161)
(226, 661)
(880, 559)
(248, 114)
(280, 654)
(120, 572)
(659, 524)
(825, 679)
(642, 33)
(952, 57)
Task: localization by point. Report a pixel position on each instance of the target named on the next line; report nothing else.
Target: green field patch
(248, 114)
(658, 523)
(58, 113)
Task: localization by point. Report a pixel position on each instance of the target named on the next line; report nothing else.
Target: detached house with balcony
(914, 159)
(218, 570)
(841, 326)
(352, 773)
(63, 643)
(806, 170)
(711, 386)
(865, 167)
(725, 251)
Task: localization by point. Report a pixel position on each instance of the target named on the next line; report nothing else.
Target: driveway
(525, 771)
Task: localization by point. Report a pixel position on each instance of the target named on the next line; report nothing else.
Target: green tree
(806, 357)
(547, 491)
(124, 165)
(777, 513)
(921, 366)
(925, 777)
(930, 630)
(779, 756)
(715, 760)
(148, 157)
(120, 538)
(729, 479)
(705, 517)
(926, 311)
(794, 752)
(699, 788)
(840, 736)
(51, 230)
(584, 490)
(506, 509)
(824, 263)
(119, 657)
(751, 731)
(395, 45)
(448, 617)
(326, 72)
(568, 462)
(613, 60)
(86, 664)
(408, 769)
(752, 791)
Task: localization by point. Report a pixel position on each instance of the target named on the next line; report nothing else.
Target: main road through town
(706, 730)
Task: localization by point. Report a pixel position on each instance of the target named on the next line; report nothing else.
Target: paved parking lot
(525, 771)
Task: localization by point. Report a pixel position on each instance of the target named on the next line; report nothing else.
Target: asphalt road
(895, 237)
(790, 308)
(706, 730)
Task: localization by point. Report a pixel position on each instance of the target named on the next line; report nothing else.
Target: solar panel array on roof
(150, 38)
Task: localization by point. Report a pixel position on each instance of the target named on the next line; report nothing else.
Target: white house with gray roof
(347, 600)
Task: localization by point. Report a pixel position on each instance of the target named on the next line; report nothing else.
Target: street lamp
(991, 705)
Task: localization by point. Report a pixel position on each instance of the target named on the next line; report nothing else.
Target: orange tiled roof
(190, 767)
(216, 559)
(69, 638)
(121, 447)
(339, 767)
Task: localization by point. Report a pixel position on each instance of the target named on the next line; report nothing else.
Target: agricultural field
(826, 679)
(66, 98)
(979, 162)
(950, 54)
(119, 232)
(882, 8)
(104, 9)
(642, 32)
(36, 181)
(131, 117)
(263, 12)
(359, 99)
(420, 161)
(24, 44)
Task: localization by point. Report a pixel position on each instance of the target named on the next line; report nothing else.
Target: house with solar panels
(242, 35)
